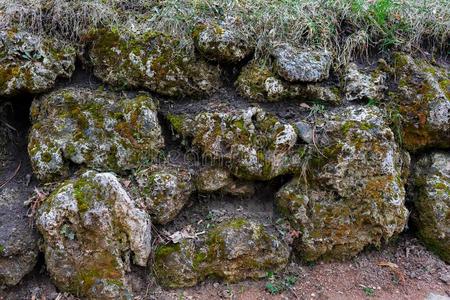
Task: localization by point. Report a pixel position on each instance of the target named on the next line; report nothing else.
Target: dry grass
(349, 27)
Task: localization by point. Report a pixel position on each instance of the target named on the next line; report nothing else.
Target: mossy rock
(352, 195)
(431, 183)
(258, 82)
(235, 250)
(31, 64)
(257, 145)
(90, 226)
(152, 61)
(421, 98)
(165, 190)
(99, 129)
(223, 41)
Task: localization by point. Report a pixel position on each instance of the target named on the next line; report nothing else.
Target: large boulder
(101, 130)
(431, 185)
(351, 194)
(153, 61)
(90, 226)
(258, 82)
(165, 190)
(223, 41)
(254, 144)
(32, 64)
(422, 98)
(234, 250)
(18, 240)
(302, 65)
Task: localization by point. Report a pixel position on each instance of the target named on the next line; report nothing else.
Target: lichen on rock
(302, 65)
(32, 64)
(422, 97)
(353, 195)
(223, 41)
(235, 250)
(258, 82)
(431, 185)
(254, 144)
(101, 130)
(362, 85)
(151, 60)
(165, 190)
(217, 179)
(90, 226)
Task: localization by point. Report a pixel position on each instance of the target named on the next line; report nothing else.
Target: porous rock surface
(217, 179)
(423, 101)
(254, 144)
(353, 195)
(360, 85)
(235, 250)
(223, 41)
(31, 64)
(90, 226)
(302, 65)
(165, 190)
(431, 180)
(150, 61)
(101, 130)
(258, 82)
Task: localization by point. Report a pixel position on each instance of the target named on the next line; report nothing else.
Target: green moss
(162, 252)
(46, 157)
(177, 121)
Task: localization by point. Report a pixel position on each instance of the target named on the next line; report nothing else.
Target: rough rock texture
(18, 241)
(302, 65)
(214, 179)
(257, 82)
(222, 41)
(101, 130)
(423, 99)
(431, 181)
(150, 61)
(90, 225)
(165, 191)
(362, 86)
(353, 194)
(235, 250)
(254, 144)
(31, 64)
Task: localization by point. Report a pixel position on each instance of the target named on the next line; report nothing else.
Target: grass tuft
(348, 27)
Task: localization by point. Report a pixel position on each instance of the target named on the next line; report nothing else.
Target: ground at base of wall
(402, 270)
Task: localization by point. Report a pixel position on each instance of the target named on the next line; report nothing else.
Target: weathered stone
(423, 102)
(431, 181)
(165, 191)
(235, 250)
(101, 130)
(90, 225)
(305, 131)
(213, 179)
(18, 241)
(362, 86)
(254, 144)
(32, 64)
(223, 41)
(152, 61)
(352, 193)
(257, 82)
(306, 65)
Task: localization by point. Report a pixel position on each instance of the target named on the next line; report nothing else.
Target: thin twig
(11, 178)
